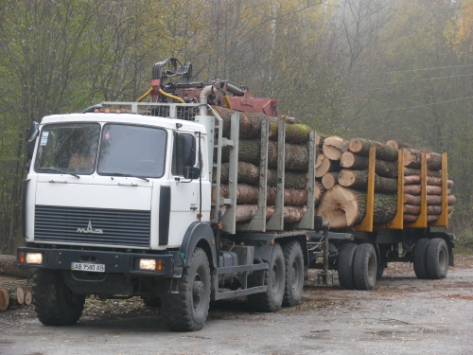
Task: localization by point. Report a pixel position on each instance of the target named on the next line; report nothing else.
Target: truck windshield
(68, 148)
(128, 150)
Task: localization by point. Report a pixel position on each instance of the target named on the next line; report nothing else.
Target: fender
(197, 232)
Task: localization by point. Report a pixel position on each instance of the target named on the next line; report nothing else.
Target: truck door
(184, 191)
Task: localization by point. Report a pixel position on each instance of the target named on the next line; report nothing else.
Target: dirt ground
(402, 315)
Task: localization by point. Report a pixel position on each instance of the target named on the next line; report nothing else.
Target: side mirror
(33, 132)
(191, 172)
(188, 149)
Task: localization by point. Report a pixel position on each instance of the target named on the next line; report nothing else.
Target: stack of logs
(15, 290)
(341, 171)
(296, 166)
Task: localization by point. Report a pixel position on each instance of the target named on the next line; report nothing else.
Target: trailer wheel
(420, 265)
(365, 267)
(436, 259)
(187, 310)
(345, 266)
(274, 278)
(54, 302)
(294, 264)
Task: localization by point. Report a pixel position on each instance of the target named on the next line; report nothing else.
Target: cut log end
(4, 300)
(28, 298)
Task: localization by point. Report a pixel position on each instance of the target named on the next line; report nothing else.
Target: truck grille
(128, 228)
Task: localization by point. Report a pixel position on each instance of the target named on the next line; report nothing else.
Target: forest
(379, 69)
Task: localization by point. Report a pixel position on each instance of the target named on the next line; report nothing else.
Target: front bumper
(115, 262)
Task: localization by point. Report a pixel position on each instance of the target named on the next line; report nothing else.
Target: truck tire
(294, 264)
(274, 277)
(436, 259)
(420, 266)
(365, 267)
(345, 266)
(54, 302)
(187, 310)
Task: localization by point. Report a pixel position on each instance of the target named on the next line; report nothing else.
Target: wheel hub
(197, 293)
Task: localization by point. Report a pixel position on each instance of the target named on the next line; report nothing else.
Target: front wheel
(54, 302)
(187, 310)
(274, 278)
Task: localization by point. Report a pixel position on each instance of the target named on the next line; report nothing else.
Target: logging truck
(154, 199)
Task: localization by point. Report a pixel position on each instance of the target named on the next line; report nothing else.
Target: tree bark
(431, 199)
(434, 181)
(329, 180)
(324, 165)
(412, 218)
(350, 160)
(412, 171)
(244, 213)
(413, 159)
(249, 151)
(334, 146)
(8, 267)
(358, 179)
(417, 189)
(362, 147)
(319, 191)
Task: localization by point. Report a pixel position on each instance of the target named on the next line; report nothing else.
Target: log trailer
(123, 199)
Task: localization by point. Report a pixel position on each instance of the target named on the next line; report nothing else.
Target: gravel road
(402, 315)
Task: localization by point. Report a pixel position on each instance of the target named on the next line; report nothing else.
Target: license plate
(88, 267)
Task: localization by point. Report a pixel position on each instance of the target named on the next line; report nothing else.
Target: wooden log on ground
(350, 160)
(28, 297)
(431, 199)
(409, 218)
(413, 171)
(413, 158)
(398, 144)
(334, 146)
(329, 180)
(362, 147)
(21, 294)
(324, 165)
(9, 267)
(358, 179)
(346, 207)
(249, 174)
(417, 189)
(319, 191)
(4, 300)
(296, 155)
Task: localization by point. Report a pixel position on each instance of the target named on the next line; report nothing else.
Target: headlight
(34, 258)
(148, 264)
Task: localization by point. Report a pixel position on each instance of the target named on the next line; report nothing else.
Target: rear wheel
(436, 259)
(187, 310)
(294, 264)
(420, 266)
(345, 265)
(365, 267)
(274, 278)
(54, 302)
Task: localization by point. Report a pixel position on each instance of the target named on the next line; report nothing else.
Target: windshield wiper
(57, 170)
(128, 175)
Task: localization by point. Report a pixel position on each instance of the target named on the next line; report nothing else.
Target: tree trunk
(249, 151)
(244, 213)
(409, 218)
(434, 181)
(4, 299)
(324, 165)
(417, 189)
(362, 147)
(345, 207)
(297, 133)
(8, 267)
(412, 171)
(28, 297)
(383, 168)
(398, 144)
(431, 199)
(358, 179)
(329, 180)
(334, 146)
(413, 159)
